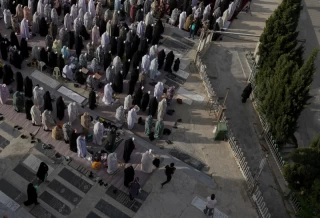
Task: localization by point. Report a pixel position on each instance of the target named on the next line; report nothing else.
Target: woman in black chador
(143, 47)
(42, 171)
(120, 48)
(44, 55)
(128, 176)
(19, 81)
(24, 48)
(73, 141)
(128, 148)
(84, 33)
(145, 101)
(107, 60)
(32, 195)
(4, 50)
(47, 101)
(161, 57)
(137, 96)
(7, 75)
(113, 43)
(60, 105)
(118, 86)
(153, 106)
(28, 87)
(125, 68)
(43, 27)
(136, 59)
(169, 62)
(246, 93)
(52, 59)
(70, 39)
(176, 65)
(14, 40)
(132, 84)
(135, 43)
(128, 50)
(60, 62)
(92, 100)
(27, 107)
(148, 33)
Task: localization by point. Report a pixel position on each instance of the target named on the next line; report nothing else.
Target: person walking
(192, 29)
(211, 203)
(169, 172)
(32, 195)
(134, 188)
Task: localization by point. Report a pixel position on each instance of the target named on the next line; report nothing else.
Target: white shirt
(211, 203)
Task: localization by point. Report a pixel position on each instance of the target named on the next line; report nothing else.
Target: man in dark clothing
(169, 172)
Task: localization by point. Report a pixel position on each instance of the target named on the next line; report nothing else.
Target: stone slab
(33, 163)
(175, 78)
(71, 94)
(187, 158)
(183, 40)
(65, 192)
(143, 195)
(92, 215)
(110, 210)
(8, 202)
(3, 142)
(25, 173)
(40, 212)
(175, 46)
(75, 180)
(182, 74)
(190, 94)
(55, 203)
(50, 153)
(12, 192)
(52, 83)
(9, 130)
(123, 199)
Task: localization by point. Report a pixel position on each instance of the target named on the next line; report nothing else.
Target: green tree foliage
(303, 177)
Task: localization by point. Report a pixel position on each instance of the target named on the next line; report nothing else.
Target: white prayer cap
(142, 87)
(40, 88)
(132, 138)
(116, 37)
(112, 67)
(138, 68)
(16, 33)
(129, 60)
(150, 150)
(124, 41)
(110, 84)
(149, 92)
(66, 29)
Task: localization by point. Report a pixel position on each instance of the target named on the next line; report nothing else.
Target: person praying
(73, 112)
(32, 195)
(60, 107)
(98, 132)
(18, 101)
(128, 175)
(47, 101)
(35, 115)
(67, 131)
(146, 162)
(4, 93)
(42, 172)
(120, 116)
(47, 120)
(27, 108)
(148, 125)
(112, 163)
(162, 109)
(85, 123)
(132, 117)
(158, 129)
(128, 148)
(108, 92)
(127, 102)
(82, 146)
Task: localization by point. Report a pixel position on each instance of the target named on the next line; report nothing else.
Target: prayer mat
(39, 211)
(183, 40)
(45, 79)
(175, 46)
(187, 158)
(71, 94)
(190, 94)
(176, 78)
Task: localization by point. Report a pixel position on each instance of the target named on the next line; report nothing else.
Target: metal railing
(252, 186)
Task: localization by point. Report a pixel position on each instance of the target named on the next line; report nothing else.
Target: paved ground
(71, 194)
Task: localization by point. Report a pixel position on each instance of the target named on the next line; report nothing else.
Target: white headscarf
(146, 161)
(92, 8)
(54, 16)
(117, 64)
(82, 4)
(153, 68)
(107, 97)
(141, 29)
(98, 130)
(120, 114)
(72, 112)
(95, 35)
(112, 163)
(35, 115)
(158, 90)
(88, 21)
(127, 102)
(132, 118)
(24, 29)
(153, 52)
(67, 72)
(182, 19)
(7, 18)
(145, 64)
(105, 40)
(38, 96)
(74, 12)
(149, 19)
(67, 22)
(40, 9)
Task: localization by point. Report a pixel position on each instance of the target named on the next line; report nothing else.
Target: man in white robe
(38, 96)
(92, 8)
(162, 109)
(82, 146)
(127, 102)
(98, 130)
(153, 69)
(72, 112)
(24, 29)
(158, 90)
(146, 162)
(108, 92)
(117, 64)
(67, 72)
(153, 52)
(132, 118)
(112, 163)
(35, 115)
(145, 64)
(182, 19)
(120, 117)
(67, 22)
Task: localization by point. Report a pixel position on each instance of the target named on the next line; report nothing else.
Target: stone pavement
(71, 194)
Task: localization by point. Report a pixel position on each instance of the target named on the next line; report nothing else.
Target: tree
(303, 177)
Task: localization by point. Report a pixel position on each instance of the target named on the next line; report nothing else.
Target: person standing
(42, 171)
(32, 195)
(211, 203)
(82, 146)
(169, 172)
(192, 29)
(134, 188)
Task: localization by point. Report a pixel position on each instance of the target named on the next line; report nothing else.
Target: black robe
(153, 106)
(73, 141)
(128, 176)
(79, 45)
(84, 33)
(111, 138)
(148, 33)
(60, 106)
(186, 4)
(176, 65)
(44, 55)
(70, 39)
(161, 57)
(132, 84)
(43, 27)
(7, 75)
(136, 59)
(169, 62)
(28, 87)
(113, 43)
(92, 100)
(15, 59)
(32, 195)
(27, 107)
(19, 81)
(139, 16)
(107, 60)
(4, 50)
(42, 171)
(24, 48)
(135, 43)
(156, 35)
(66, 9)
(60, 62)
(137, 97)
(128, 148)
(14, 40)
(189, 10)
(134, 75)
(118, 83)
(128, 50)
(114, 30)
(143, 47)
(144, 101)
(120, 48)
(125, 68)
(246, 93)
(52, 59)
(47, 101)
(102, 27)
(53, 31)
